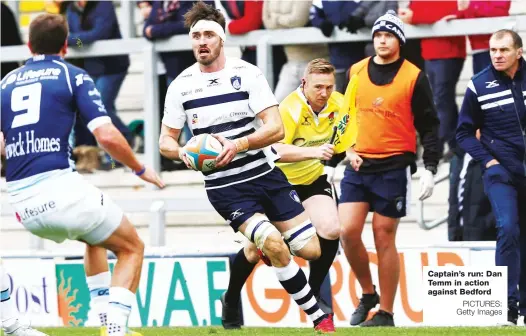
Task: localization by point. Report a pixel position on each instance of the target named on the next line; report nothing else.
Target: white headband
(207, 25)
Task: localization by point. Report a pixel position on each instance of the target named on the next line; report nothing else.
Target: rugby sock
(119, 308)
(295, 283)
(241, 269)
(320, 268)
(99, 289)
(8, 314)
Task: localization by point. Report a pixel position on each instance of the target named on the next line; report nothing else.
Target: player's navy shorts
(388, 193)
(270, 194)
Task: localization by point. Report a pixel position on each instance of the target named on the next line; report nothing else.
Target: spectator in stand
(166, 20)
(286, 15)
(444, 58)
(245, 16)
(412, 51)
(61, 7)
(91, 21)
(325, 15)
(10, 37)
(364, 16)
(145, 8)
(242, 17)
(480, 43)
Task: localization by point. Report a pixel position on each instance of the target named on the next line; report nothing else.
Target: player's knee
(385, 228)
(301, 235)
(350, 234)
(259, 229)
(382, 245)
(274, 246)
(384, 238)
(251, 253)
(330, 230)
(134, 244)
(311, 250)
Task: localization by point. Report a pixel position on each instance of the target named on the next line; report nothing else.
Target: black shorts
(319, 187)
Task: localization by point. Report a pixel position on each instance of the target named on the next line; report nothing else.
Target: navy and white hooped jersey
(39, 105)
(225, 102)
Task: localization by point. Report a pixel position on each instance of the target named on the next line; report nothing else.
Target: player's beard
(210, 58)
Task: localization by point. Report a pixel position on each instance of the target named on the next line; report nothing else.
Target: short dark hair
(48, 34)
(320, 66)
(202, 11)
(517, 40)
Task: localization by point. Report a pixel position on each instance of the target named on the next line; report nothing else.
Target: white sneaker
(18, 329)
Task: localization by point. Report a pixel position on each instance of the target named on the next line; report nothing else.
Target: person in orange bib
(393, 101)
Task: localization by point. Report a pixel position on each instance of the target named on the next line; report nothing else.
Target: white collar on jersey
(208, 25)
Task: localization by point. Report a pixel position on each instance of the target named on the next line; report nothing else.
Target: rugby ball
(201, 151)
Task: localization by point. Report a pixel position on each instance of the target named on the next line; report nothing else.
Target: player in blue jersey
(39, 104)
(231, 99)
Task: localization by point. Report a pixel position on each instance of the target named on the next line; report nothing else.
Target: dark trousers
(108, 86)
(453, 221)
(443, 76)
(508, 202)
(470, 216)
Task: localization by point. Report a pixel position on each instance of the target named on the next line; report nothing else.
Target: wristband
(241, 144)
(140, 172)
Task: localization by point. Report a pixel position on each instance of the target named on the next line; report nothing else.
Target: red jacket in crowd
(429, 12)
(245, 19)
(479, 9)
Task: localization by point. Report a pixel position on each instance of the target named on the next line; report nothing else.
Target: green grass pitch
(504, 331)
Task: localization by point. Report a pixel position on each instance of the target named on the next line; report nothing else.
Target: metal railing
(263, 39)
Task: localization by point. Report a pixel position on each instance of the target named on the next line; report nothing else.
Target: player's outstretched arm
(292, 153)
(113, 142)
(92, 109)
